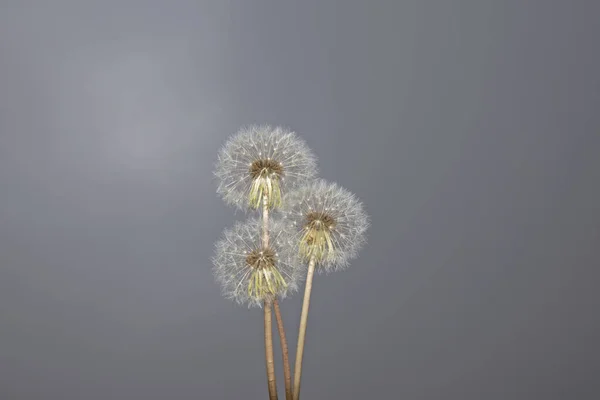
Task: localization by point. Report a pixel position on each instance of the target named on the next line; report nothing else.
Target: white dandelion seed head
(260, 159)
(330, 223)
(249, 274)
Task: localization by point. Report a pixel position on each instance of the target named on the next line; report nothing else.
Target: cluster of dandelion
(305, 223)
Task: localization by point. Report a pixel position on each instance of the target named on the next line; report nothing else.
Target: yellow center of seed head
(265, 279)
(316, 241)
(265, 176)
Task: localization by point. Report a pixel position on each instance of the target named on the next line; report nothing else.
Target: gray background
(470, 129)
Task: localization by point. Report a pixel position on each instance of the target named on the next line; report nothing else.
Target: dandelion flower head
(261, 161)
(248, 272)
(330, 223)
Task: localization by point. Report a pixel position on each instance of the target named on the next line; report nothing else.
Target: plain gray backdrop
(470, 130)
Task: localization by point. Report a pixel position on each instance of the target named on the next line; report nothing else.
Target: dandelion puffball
(259, 161)
(251, 274)
(330, 223)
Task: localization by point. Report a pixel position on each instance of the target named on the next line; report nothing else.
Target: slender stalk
(269, 352)
(302, 331)
(265, 222)
(289, 395)
(271, 383)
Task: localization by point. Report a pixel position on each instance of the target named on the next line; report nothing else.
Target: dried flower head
(249, 273)
(330, 223)
(260, 160)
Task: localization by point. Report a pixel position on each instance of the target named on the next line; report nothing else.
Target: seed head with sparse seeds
(260, 160)
(249, 273)
(330, 223)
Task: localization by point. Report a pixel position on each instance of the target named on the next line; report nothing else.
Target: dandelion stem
(302, 331)
(284, 353)
(272, 385)
(280, 328)
(265, 222)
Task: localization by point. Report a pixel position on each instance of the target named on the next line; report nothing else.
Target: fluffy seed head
(260, 160)
(330, 223)
(249, 273)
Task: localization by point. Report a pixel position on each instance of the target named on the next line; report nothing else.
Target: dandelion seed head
(330, 223)
(260, 160)
(250, 274)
